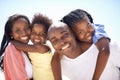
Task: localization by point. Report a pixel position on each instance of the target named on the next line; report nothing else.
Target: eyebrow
(52, 38)
(63, 32)
(60, 33)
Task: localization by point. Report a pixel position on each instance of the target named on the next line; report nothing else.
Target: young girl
(79, 58)
(41, 58)
(16, 63)
(81, 24)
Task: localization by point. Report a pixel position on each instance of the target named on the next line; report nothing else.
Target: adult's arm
(56, 66)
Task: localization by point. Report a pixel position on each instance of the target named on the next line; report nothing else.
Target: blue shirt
(99, 33)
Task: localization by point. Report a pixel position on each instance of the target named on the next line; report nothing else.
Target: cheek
(16, 36)
(31, 37)
(78, 37)
(29, 33)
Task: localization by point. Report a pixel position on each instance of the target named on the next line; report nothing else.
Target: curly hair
(41, 19)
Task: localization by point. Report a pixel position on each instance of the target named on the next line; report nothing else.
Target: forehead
(40, 26)
(21, 20)
(20, 23)
(81, 24)
(57, 31)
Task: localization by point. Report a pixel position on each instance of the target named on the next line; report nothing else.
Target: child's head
(39, 27)
(81, 23)
(17, 28)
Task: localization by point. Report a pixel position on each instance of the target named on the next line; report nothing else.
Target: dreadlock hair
(7, 34)
(41, 19)
(75, 16)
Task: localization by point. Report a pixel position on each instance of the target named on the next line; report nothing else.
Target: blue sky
(103, 11)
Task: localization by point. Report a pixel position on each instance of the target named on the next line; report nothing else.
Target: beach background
(106, 12)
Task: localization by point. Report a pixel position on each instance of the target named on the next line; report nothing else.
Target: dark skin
(103, 47)
(99, 68)
(84, 31)
(38, 37)
(56, 66)
(30, 48)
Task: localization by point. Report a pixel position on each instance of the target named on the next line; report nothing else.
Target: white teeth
(36, 40)
(24, 38)
(66, 46)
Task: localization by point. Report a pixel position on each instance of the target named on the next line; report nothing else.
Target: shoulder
(11, 50)
(10, 46)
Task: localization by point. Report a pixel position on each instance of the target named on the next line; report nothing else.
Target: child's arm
(30, 48)
(103, 47)
(56, 66)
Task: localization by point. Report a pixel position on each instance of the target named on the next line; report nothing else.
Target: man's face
(62, 39)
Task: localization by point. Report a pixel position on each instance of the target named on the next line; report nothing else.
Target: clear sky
(105, 12)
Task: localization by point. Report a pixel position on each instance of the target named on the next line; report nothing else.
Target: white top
(28, 65)
(82, 67)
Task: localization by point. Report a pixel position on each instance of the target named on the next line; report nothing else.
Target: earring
(11, 37)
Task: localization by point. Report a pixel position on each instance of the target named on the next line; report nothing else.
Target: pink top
(14, 64)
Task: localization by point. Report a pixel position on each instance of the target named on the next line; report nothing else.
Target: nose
(61, 42)
(36, 36)
(23, 33)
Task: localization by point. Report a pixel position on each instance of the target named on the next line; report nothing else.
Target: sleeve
(99, 33)
(14, 65)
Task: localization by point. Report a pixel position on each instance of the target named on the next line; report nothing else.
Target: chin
(25, 42)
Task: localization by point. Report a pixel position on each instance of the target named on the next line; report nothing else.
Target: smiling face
(38, 34)
(62, 40)
(21, 31)
(84, 30)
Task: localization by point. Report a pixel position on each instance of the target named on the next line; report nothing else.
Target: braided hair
(75, 16)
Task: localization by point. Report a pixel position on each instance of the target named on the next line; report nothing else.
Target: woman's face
(62, 40)
(21, 31)
(38, 34)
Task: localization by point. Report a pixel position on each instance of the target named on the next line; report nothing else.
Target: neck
(76, 52)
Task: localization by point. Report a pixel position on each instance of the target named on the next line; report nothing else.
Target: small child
(39, 53)
(81, 23)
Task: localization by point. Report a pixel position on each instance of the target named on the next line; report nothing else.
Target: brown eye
(80, 33)
(17, 31)
(43, 34)
(65, 35)
(54, 42)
